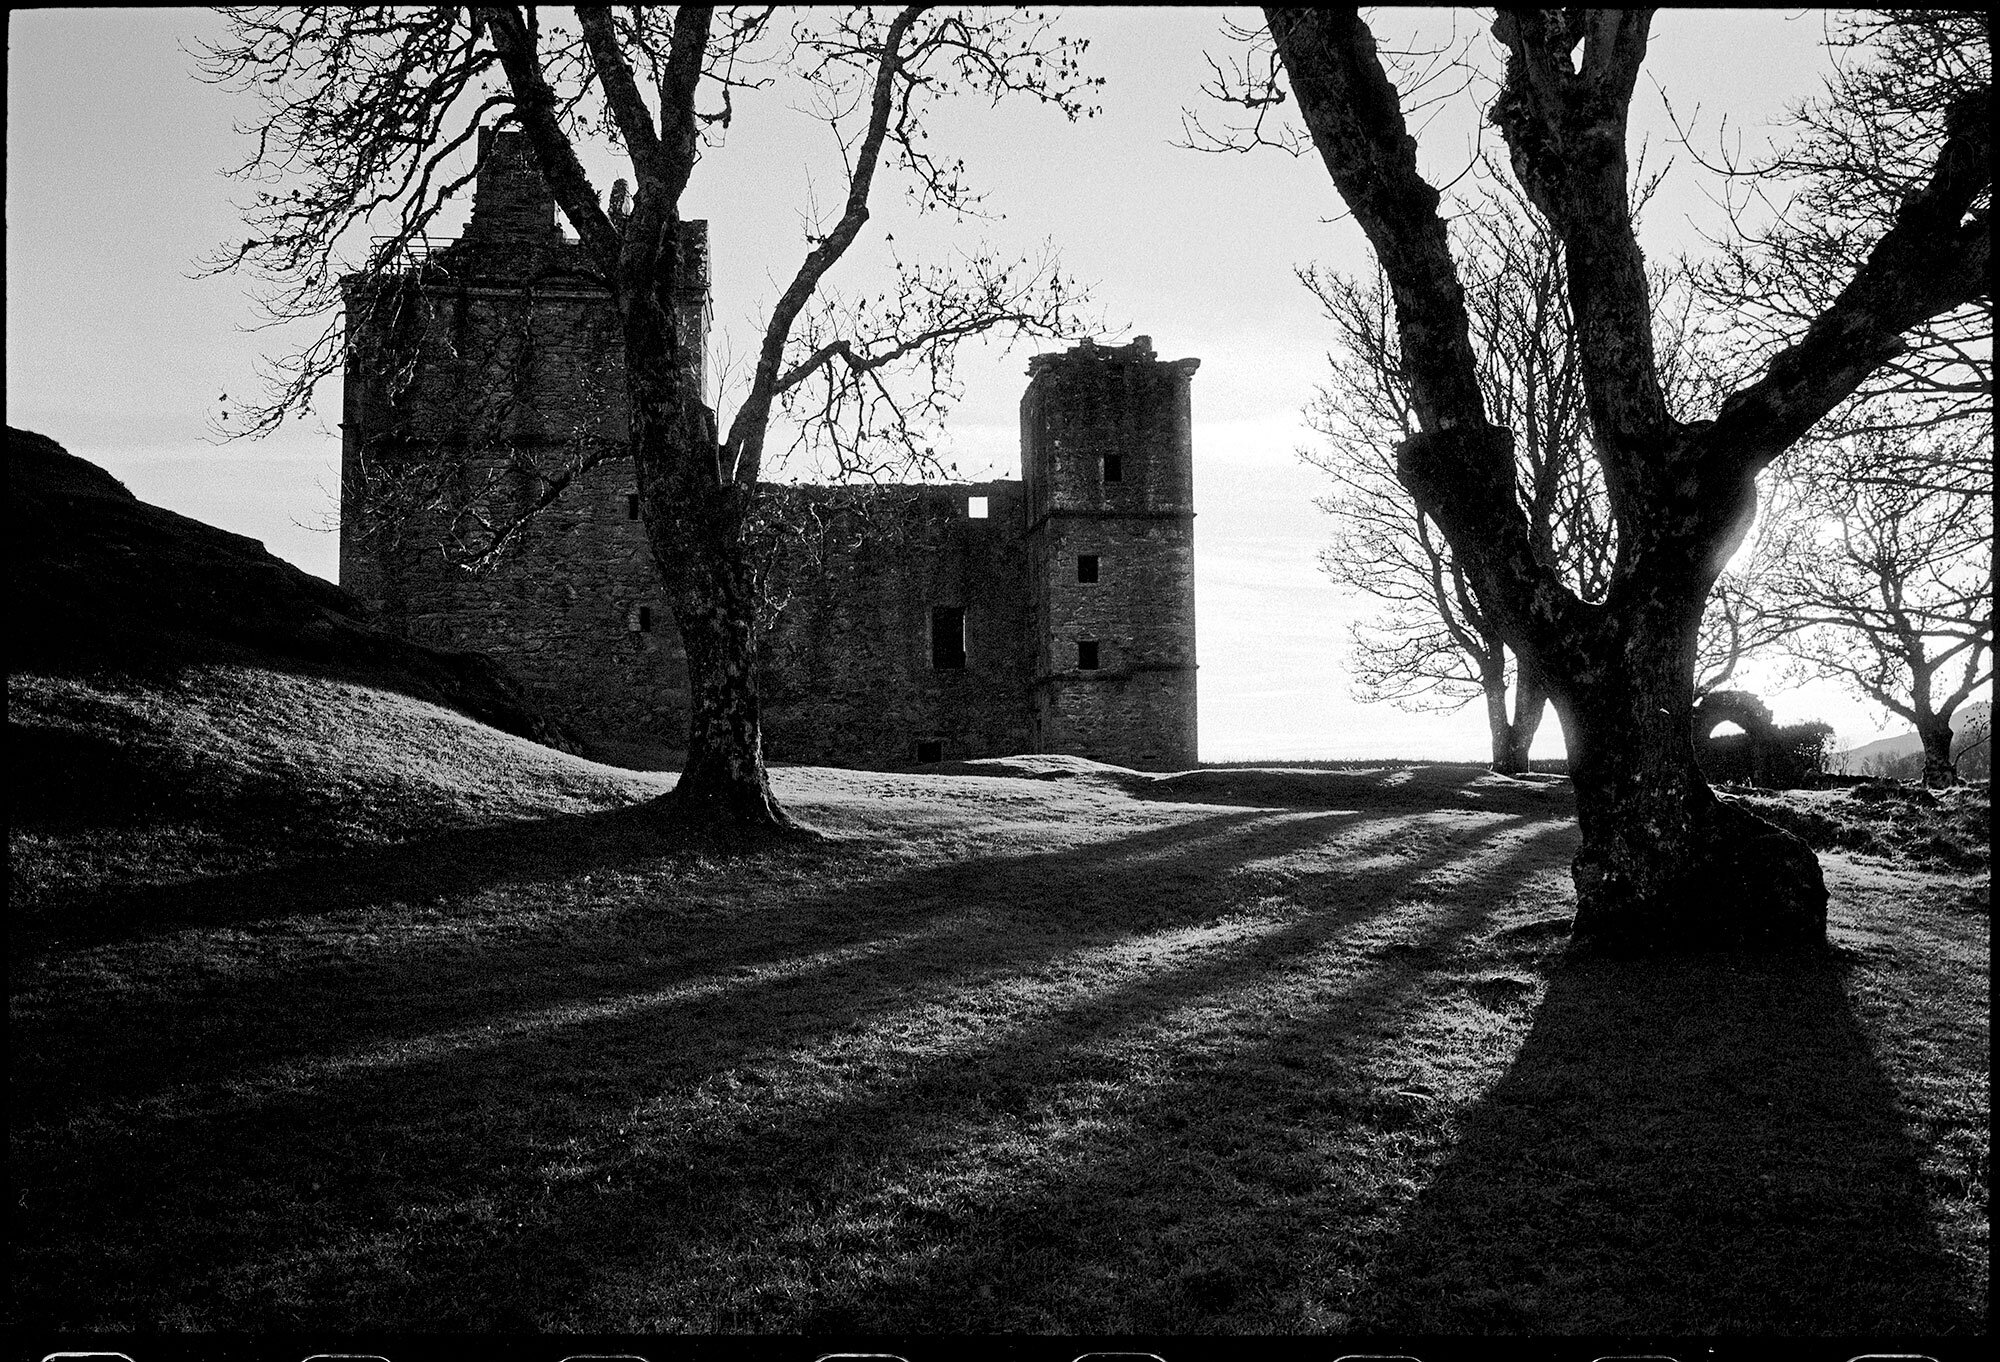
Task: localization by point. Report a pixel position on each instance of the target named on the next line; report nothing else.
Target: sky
(119, 349)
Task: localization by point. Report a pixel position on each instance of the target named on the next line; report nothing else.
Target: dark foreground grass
(1086, 1053)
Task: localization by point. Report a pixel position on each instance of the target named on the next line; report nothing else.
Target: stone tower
(1107, 456)
(475, 371)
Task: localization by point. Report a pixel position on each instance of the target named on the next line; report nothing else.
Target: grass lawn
(352, 1014)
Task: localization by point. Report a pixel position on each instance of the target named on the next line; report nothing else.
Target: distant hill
(1886, 756)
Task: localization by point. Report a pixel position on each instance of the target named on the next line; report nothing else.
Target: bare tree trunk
(698, 544)
(1664, 864)
(695, 514)
(1531, 702)
(1939, 768)
(1493, 681)
(723, 780)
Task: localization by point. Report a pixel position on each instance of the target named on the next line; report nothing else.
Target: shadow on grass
(755, 946)
(210, 1202)
(449, 865)
(1048, 1143)
(1693, 1147)
(1219, 1197)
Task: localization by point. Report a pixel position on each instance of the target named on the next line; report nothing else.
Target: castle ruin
(929, 622)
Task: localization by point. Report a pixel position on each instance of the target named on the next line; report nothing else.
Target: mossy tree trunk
(1665, 864)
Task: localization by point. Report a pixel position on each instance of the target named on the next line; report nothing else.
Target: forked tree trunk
(1531, 702)
(1664, 864)
(1512, 737)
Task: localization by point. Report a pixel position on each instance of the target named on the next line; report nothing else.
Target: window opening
(975, 508)
(948, 637)
(930, 750)
(1114, 468)
(631, 505)
(1086, 654)
(1086, 567)
(644, 623)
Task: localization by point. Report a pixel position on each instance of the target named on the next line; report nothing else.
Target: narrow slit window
(975, 508)
(929, 751)
(643, 622)
(1114, 468)
(948, 637)
(631, 505)
(1086, 654)
(1086, 567)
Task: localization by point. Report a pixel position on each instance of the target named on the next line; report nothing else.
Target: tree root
(1752, 887)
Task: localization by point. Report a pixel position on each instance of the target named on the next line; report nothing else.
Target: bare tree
(363, 110)
(1434, 647)
(1804, 217)
(1889, 586)
(1737, 622)
(1663, 862)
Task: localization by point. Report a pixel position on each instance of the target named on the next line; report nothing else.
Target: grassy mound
(121, 784)
(182, 705)
(1896, 820)
(103, 583)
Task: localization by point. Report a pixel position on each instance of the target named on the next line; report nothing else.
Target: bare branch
(1933, 259)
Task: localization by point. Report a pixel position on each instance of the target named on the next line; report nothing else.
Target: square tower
(1107, 455)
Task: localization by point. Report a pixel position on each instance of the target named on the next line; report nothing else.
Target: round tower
(1107, 455)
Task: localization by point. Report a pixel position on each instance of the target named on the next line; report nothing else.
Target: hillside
(1891, 755)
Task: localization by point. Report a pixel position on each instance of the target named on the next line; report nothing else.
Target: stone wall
(850, 676)
(491, 371)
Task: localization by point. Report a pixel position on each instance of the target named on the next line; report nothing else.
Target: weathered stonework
(482, 370)
(1107, 446)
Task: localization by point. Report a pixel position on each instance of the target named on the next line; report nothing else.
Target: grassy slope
(1051, 1048)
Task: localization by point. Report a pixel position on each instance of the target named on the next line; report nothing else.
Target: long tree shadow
(454, 864)
(1693, 1147)
(1217, 1199)
(910, 929)
(749, 1209)
(533, 1093)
